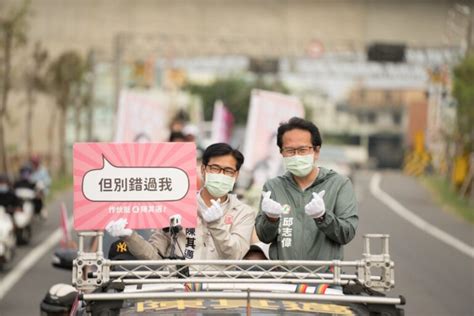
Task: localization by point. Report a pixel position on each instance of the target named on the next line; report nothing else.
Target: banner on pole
(267, 111)
(142, 117)
(222, 123)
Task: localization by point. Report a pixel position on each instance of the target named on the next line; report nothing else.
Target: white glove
(271, 208)
(214, 212)
(117, 228)
(316, 208)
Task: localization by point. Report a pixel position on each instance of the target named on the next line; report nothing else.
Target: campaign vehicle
(229, 287)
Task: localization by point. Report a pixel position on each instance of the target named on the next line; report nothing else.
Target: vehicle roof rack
(232, 279)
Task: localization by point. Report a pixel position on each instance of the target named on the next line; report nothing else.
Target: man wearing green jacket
(310, 212)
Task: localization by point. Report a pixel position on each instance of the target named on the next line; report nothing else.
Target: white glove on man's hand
(214, 212)
(117, 228)
(271, 208)
(316, 208)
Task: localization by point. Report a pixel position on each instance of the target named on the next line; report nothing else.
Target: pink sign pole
(144, 183)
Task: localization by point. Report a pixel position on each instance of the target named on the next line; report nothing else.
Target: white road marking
(415, 220)
(29, 261)
(17, 273)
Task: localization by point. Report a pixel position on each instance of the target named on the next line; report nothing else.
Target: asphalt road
(24, 298)
(435, 278)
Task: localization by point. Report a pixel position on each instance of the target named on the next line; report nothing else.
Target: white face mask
(218, 184)
(299, 166)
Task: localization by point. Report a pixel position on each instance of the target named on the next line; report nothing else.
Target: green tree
(464, 93)
(65, 77)
(13, 27)
(234, 92)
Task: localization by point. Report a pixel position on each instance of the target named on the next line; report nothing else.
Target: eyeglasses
(303, 150)
(218, 169)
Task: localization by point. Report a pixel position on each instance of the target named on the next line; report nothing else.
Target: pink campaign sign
(145, 183)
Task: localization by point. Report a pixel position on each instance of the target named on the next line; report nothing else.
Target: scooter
(7, 238)
(23, 216)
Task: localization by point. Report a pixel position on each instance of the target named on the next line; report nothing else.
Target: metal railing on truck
(233, 279)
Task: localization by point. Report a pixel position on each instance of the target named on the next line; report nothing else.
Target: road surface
(435, 277)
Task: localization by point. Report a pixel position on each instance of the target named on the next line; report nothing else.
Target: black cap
(119, 251)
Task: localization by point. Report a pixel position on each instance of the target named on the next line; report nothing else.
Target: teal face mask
(299, 166)
(218, 184)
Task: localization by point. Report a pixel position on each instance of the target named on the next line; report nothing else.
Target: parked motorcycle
(7, 238)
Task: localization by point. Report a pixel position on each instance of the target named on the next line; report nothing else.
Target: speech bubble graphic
(135, 184)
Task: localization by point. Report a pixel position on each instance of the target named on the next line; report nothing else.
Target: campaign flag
(222, 123)
(63, 224)
(267, 111)
(142, 117)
